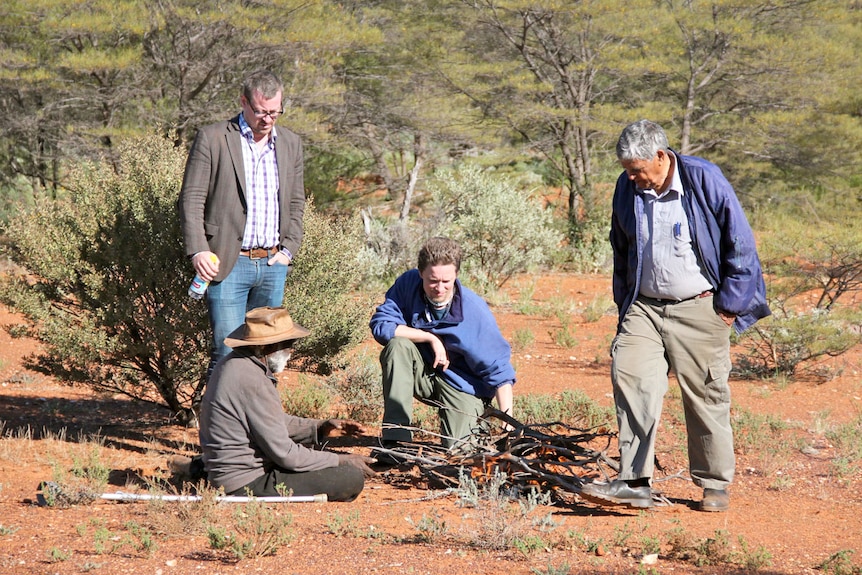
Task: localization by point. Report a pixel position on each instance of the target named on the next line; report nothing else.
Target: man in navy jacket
(686, 269)
(442, 345)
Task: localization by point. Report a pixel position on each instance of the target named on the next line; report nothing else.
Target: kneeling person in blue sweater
(442, 346)
(250, 445)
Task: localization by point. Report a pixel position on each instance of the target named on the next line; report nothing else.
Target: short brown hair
(262, 81)
(440, 252)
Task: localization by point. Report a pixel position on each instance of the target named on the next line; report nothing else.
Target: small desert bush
(572, 407)
(343, 525)
(840, 563)
(716, 550)
(360, 385)
(81, 484)
(322, 292)
(502, 229)
(754, 431)
(253, 530)
(766, 438)
(429, 528)
(109, 299)
(847, 439)
(500, 523)
(792, 343)
(131, 539)
(564, 336)
(522, 339)
(597, 308)
(310, 398)
(182, 518)
(812, 271)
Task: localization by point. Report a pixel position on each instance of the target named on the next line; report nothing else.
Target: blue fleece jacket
(479, 356)
(720, 233)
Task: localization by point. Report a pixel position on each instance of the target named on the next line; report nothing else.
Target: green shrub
(573, 407)
(391, 247)
(254, 530)
(360, 386)
(564, 336)
(522, 339)
(589, 250)
(321, 291)
(598, 307)
(840, 563)
(847, 439)
(500, 524)
(309, 399)
(502, 230)
(791, 343)
(107, 284)
(108, 294)
(811, 270)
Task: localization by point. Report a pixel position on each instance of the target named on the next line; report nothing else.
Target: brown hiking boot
(715, 500)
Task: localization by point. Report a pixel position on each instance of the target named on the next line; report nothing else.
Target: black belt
(259, 253)
(660, 301)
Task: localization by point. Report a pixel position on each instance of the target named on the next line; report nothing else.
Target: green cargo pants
(405, 376)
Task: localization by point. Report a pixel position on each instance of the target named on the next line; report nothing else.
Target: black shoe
(618, 493)
(715, 500)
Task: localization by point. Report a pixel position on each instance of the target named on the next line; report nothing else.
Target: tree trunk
(418, 161)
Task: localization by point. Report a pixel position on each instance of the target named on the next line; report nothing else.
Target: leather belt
(259, 253)
(659, 301)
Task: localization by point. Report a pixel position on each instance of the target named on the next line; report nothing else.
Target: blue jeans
(249, 285)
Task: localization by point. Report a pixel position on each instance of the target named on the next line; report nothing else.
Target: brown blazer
(212, 202)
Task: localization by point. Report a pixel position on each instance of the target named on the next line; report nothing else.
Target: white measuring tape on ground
(51, 491)
(122, 496)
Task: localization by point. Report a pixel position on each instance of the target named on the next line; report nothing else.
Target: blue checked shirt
(261, 190)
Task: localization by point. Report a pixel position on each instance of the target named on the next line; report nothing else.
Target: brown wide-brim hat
(263, 326)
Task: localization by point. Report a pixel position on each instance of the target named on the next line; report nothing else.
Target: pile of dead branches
(552, 457)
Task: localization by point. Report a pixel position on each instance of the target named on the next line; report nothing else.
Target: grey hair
(641, 140)
(262, 81)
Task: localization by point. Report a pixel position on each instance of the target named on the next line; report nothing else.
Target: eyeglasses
(261, 114)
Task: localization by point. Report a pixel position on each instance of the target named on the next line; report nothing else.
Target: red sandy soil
(790, 504)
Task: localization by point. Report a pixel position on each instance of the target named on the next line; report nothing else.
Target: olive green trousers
(406, 376)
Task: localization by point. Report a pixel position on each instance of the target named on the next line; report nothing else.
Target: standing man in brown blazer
(242, 200)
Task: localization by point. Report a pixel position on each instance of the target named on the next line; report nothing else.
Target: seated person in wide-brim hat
(250, 445)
